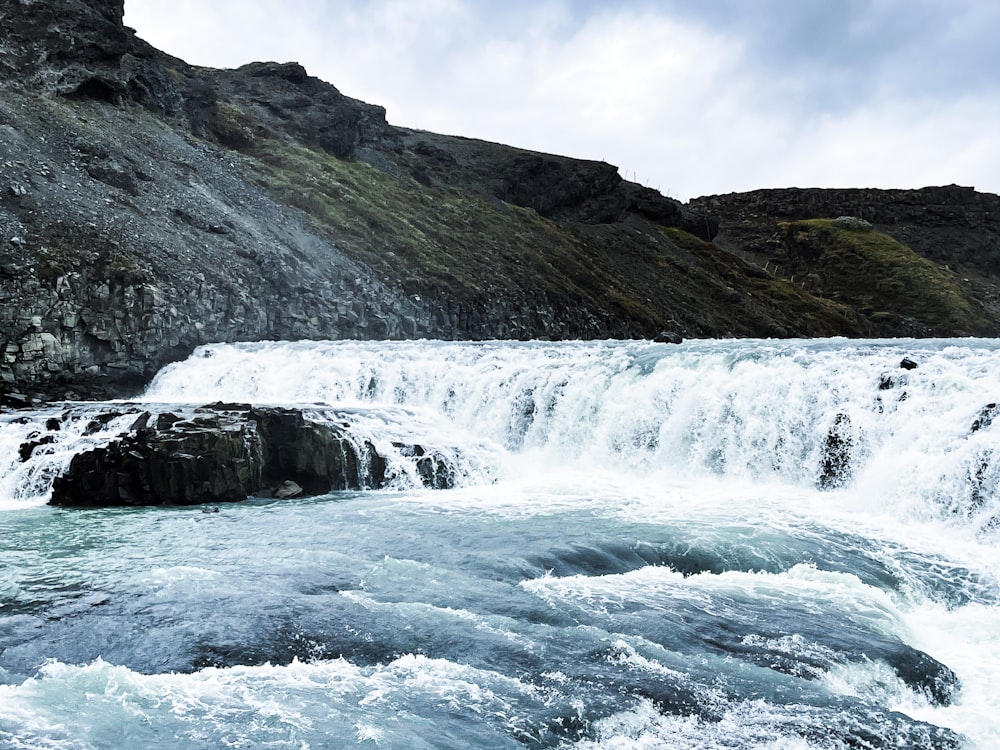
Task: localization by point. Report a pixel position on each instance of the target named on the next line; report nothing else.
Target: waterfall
(830, 413)
(571, 545)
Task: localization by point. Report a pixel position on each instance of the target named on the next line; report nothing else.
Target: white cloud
(904, 144)
(681, 105)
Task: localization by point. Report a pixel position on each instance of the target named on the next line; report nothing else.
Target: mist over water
(721, 544)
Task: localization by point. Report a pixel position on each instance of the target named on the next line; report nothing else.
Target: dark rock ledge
(228, 452)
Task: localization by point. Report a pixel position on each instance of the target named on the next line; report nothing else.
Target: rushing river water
(722, 544)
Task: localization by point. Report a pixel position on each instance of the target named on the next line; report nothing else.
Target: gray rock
(836, 468)
(288, 489)
(985, 417)
(669, 337)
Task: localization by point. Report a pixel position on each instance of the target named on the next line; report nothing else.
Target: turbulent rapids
(720, 544)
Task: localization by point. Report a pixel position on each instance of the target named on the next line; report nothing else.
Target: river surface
(722, 544)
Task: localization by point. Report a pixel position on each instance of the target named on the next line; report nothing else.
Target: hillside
(149, 205)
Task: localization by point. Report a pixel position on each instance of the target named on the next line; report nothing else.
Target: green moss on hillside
(637, 277)
(783, 308)
(464, 245)
(875, 274)
(61, 248)
(457, 241)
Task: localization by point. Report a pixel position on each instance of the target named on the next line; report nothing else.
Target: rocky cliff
(147, 206)
(936, 242)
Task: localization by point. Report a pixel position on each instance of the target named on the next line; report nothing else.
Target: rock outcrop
(74, 47)
(226, 453)
(950, 224)
(954, 227)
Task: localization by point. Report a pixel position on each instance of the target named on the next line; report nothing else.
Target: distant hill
(149, 205)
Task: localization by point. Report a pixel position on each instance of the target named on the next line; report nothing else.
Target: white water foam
(834, 413)
(747, 410)
(26, 483)
(753, 725)
(708, 432)
(300, 705)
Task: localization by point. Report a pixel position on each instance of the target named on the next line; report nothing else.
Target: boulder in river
(226, 453)
(835, 469)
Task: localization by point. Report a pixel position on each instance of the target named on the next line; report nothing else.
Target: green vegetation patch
(427, 238)
(641, 276)
(685, 240)
(56, 256)
(392, 223)
(117, 266)
(874, 273)
(779, 307)
(231, 127)
(62, 248)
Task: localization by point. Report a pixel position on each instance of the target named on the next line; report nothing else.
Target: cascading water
(720, 544)
(798, 412)
(37, 447)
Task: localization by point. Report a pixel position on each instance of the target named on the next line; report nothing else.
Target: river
(721, 544)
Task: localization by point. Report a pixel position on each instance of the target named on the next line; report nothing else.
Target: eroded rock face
(226, 453)
(556, 187)
(68, 47)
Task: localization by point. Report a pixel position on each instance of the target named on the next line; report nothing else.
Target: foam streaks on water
(721, 545)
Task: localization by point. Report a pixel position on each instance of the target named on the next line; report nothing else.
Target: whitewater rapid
(720, 544)
(748, 410)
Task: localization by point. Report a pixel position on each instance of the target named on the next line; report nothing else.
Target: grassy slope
(643, 276)
(878, 275)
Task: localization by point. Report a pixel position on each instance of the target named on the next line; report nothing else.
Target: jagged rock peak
(65, 47)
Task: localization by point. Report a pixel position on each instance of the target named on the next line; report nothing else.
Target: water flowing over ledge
(732, 543)
(826, 413)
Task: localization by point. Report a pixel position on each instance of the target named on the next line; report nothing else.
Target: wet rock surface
(226, 453)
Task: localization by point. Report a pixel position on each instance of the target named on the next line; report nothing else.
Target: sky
(690, 97)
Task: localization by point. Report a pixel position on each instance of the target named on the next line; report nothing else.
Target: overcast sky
(691, 97)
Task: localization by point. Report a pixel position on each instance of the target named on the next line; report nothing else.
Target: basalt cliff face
(147, 206)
